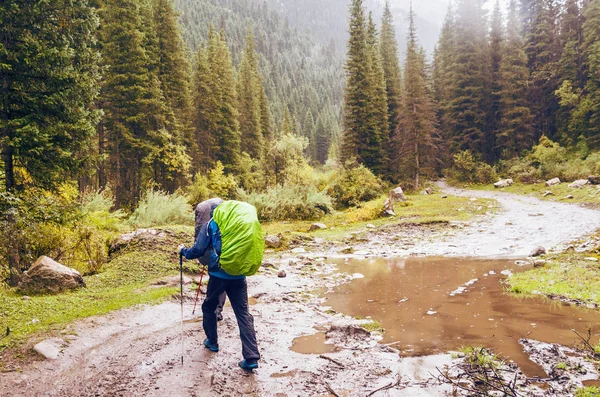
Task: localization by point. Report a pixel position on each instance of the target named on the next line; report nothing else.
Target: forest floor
(137, 351)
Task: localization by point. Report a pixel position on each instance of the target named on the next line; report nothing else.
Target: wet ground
(137, 352)
(434, 305)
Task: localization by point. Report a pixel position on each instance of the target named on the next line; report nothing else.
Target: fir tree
(249, 90)
(392, 73)
(467, 111)
(496, 43)
(204, 114)
(515, 132)
(417, 125)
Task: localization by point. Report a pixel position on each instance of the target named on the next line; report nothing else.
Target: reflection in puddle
(433, 305)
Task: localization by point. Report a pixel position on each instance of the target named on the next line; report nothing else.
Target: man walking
(209, 242)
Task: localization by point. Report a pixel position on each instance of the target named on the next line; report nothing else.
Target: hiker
(203, 214)
(209, 240)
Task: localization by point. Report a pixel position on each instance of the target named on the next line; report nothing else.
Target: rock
(26, 298)
(427, 191)
(317, 226)
(395, 195)
(521, 263)
(371, 226)
(538, 251)
(444, 196)
(548, 193)
(552, 182)
(503, 183)
(594, 180)
(539, 263)
(579, 184)
(272, 242)
(591, 259)
(281, 274)
(299, 250)
(50, 348)
(141, 234)
(569, 197)
(49, 276)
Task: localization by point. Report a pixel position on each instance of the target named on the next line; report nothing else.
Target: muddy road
(137, 352)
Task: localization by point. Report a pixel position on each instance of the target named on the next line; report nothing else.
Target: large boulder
(594, 180)
(317, 226)
(395, 195)
(46, 276)
(553, 181)
(579, 184)
(503, 183)
(272, 241)
(538, 251)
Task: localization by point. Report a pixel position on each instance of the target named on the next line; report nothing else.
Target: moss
(591, 391)
(372, 326)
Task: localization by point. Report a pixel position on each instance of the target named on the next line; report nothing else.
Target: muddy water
(432, 305)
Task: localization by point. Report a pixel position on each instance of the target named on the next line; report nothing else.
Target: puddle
(313, 344)
(434, 305)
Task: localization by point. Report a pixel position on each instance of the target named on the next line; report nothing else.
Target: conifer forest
(120, 116)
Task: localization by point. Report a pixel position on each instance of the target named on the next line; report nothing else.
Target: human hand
(181, 246)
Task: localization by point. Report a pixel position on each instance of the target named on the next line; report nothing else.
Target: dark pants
(237, 291)
(221, 303)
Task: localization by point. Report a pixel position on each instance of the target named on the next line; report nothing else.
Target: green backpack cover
(241, 238)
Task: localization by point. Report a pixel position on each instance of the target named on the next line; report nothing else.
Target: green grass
(591, 391)
(123, 282)
(586, 195)
(480, 357)
(567, 274)
(419, 209)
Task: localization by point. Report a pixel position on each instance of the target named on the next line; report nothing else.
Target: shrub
(160, 208)
(354, 186)
(290, 202)
(213, 184)
(468, 169)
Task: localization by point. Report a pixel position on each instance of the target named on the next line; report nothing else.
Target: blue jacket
(209, 238)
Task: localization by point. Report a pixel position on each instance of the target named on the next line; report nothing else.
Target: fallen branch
(586, 342)
(330, 389)
(332, 360)
(391, 385)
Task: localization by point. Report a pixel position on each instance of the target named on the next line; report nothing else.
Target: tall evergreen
(392, 73)
(376, 136)
(543, 52)
(515, 132)
(204, 115)
(496, 43)
(586, 118)
(570, 67)
(417, 126)
(467, 111)
(249, 91)
(49, 80)
(357, 87)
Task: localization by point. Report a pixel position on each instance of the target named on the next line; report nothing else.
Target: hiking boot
(248, 365)
(213, 347)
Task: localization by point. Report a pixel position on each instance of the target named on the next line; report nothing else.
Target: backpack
(242, 244)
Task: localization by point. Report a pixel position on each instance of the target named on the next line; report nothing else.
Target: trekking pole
(181, 292)
(198, 290)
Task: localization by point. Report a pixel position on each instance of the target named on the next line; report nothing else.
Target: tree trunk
(13, 247)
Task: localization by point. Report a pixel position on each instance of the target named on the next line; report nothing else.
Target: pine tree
(586, 118)
(570, 67)
(496, 44)
(376, 134)
(467, 111)
(49, 80)
(249, 90)
(357, 87)
(542, 49)
(515, 132)
(444, 79)
(226, 132)
(393, 78)
(417, 125)
(204, 115)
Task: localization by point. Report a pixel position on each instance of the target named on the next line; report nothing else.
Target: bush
(354, 186)
(468, 169)
(213, 184)
(160, 208)
(289, 203)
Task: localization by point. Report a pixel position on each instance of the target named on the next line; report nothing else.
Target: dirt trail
(136, 352)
